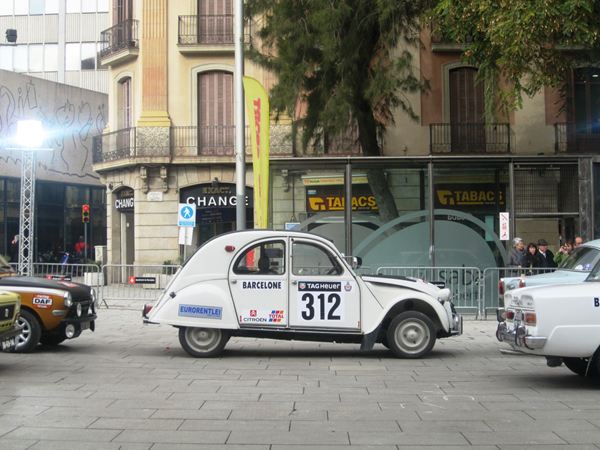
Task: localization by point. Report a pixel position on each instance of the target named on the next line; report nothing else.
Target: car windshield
(581, 259)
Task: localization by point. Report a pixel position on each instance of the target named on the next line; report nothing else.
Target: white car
(560, 322)
(292, 285)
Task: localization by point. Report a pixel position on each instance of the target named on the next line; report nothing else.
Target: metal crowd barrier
(131, 283)
(463, 282)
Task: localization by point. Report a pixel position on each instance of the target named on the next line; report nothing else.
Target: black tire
(52, 339)
(411, 334)
(203, 342)
(579, 366)
(29, 338)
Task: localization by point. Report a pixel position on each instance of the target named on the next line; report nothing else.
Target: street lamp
(29, 140)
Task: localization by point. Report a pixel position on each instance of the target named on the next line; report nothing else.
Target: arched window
(216, 128)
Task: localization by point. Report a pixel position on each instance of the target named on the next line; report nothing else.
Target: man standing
(545, 258)
(516, 256)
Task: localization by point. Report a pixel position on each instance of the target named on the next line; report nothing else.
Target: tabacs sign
(331, 198)
(470, 196)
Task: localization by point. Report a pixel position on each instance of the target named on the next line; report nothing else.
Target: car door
(259, 285)
(323, 292)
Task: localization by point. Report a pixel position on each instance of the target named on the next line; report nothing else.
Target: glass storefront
(58, 223)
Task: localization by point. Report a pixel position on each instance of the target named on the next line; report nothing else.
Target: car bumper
(456, 326)
(79, 324)
(518, 336)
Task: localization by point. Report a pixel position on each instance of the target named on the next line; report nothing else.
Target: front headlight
(68, 299)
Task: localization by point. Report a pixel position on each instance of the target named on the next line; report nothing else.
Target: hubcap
(202, 339)
(412, 336)
(25, 335)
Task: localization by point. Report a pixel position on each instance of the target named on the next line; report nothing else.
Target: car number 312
(327, 305)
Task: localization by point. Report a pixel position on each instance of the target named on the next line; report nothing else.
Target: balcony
(119, 43)
(469, 138)
(131, 146)
(205, 33)
(568, 139)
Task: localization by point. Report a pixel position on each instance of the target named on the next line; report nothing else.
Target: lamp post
(29, 139)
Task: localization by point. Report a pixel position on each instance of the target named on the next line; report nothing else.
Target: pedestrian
(564, 252)
(578, 241)
(545, 258)
(516, 256)
(531, 257)
(80, 247)
(14, 248)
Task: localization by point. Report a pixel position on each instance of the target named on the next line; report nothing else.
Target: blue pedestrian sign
(187, 215)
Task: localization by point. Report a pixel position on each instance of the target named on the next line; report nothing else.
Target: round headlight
(78, 309)
(68, 300)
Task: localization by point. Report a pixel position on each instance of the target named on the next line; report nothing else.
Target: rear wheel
(31, 332)
(580, 366)
(411, 334)
(203, 342)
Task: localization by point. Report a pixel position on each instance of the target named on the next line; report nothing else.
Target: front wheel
(31, 331)
(580, 367)
(411, 334)
(203, 342)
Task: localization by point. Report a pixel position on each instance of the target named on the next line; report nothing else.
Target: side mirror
(354, 261)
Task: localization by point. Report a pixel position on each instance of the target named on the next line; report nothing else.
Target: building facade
(56, 40)
(169, 140)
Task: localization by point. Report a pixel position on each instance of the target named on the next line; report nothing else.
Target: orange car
(51, 311)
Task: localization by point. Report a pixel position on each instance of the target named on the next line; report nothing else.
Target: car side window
(266, 258)
(309, 259)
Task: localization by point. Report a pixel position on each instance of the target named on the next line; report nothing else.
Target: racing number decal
(320, 301)
(308, 312)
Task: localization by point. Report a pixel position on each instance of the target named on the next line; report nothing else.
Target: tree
(520, 46)
(340, 61)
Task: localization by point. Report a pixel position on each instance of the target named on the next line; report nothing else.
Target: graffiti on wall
(70, 117)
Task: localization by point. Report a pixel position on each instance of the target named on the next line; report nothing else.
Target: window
(51, 7)
(587, 100)
(88, 56)
(309, 259)
(21, 8)
(266, 258)
(51, 57)
(102, 5)
(36, 58)
(88, 6)
(6, 57)
(74, 6)
(124, 112)
(6, 7)
(73, 56)
(20, 58)
(36, 7)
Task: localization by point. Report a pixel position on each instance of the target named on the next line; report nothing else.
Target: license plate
(8, 344)
(6, 312)
(85, 325)
(518, 316)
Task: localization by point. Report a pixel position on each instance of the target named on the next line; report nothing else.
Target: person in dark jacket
(531, 257)
(545, 257)
(516, 256)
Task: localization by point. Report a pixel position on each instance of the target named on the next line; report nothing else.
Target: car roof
(595, 243)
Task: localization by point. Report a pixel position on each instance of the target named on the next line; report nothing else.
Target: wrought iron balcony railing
(205, 29)
(571, 138)
(469, 138)
(123, 35)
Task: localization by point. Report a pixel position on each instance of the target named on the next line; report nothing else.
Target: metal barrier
(463, 282)
(126, 282)
(490, 297)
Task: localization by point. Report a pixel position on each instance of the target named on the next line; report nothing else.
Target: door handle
(233, 281)
(294, 282)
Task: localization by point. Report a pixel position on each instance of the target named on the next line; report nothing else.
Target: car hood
(77, 290)
(415, 284)
(556, 277)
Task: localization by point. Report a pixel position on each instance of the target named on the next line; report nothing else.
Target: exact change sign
(187, 215)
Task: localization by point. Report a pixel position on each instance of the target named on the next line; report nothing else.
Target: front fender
(420, 302)
(205, 305)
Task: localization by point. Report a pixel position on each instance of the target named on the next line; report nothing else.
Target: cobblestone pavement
(131, 386)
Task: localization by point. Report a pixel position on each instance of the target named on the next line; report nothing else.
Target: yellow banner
(257, 111)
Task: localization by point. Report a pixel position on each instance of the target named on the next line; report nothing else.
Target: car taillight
(521, 282)
(530, 318)
(510, 315)
(146, 310)
(501, 286)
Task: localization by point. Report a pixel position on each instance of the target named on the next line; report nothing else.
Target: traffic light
(85, 213)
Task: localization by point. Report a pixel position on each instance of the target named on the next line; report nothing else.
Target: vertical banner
(257, 110)
(504, 226)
